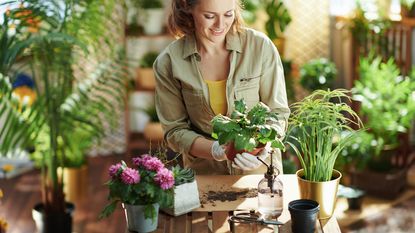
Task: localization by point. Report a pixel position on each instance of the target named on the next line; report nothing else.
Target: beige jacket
(182, 97)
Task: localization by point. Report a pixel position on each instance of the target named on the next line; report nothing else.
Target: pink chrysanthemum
(130, 176)
(137, 161)
(151, 163)
(114, 169)
(164, 178)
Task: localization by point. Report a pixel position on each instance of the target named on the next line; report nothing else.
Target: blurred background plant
(318, 74)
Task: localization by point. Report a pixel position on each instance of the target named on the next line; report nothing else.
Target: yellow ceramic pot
(325, 193)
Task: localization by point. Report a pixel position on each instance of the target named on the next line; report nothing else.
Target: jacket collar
(233, 42)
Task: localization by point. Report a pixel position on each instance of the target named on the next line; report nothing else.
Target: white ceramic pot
(186, 199)
(152, 21)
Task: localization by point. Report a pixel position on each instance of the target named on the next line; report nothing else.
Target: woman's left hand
(247, 161)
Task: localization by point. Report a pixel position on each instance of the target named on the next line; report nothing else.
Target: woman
(214, 62)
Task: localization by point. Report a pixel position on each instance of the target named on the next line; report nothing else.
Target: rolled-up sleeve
(272, 87)
(170, 107)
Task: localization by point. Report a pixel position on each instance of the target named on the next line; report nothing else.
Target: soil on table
(226, 194)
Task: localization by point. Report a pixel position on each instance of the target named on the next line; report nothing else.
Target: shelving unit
(140, 98)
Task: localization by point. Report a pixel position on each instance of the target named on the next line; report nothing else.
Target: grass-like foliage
(314, 128)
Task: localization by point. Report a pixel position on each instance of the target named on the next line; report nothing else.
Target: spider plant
(70, 95)
(314, 128)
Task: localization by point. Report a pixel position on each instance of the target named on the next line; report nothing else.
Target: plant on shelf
(247, 130)
(318, 74)
(69, 94)
(148, 59)
(313, 133)
(145, 74)
(142, 189)
(153, 131)
(150, 15)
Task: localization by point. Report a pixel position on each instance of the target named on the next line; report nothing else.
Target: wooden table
(213, 216)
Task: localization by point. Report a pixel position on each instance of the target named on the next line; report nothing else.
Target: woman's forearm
(201, 148)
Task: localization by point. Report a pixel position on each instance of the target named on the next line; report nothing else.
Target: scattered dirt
(226, 194)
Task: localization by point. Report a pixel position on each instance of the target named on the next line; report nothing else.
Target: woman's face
(213, 18)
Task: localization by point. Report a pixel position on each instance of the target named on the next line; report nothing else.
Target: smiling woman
(214, 62)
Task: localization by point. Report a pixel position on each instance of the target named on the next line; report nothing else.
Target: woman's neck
(206, 47)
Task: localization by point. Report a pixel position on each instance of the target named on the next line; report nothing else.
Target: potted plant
(247, 130)
(151, 16)
(313, 133)
(250, 9)
(388, 116)
(318, 74)
(145, 74)
(186, 194)
(142, 189)
(153, 131)
(278, 20)
(407, 8)
(68, 96)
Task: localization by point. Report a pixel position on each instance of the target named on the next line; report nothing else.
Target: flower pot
(145, 79)
(54, 222)
(231, 151)
(186, 198)
(75, 182)
(153, 132)
(303, 215)
(325, 193)
(152, 21)
(134, 215)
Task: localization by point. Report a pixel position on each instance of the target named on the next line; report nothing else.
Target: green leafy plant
(387, 101)
(314, 128)
(146, 183)
(247, 129)
(148, 60)
(250, 8)
(152, 113)
(69, 96)
(278, 18)
(318, 74)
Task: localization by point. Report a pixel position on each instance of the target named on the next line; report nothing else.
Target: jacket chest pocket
(248, 89)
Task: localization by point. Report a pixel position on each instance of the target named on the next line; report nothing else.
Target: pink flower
(137, 161)
(130, 176)
(151, 163)
(114, 169)
(164, 178)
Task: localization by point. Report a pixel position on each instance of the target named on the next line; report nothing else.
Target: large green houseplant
(318, 74)
(69, 94)
(313, 133)
(387, 105)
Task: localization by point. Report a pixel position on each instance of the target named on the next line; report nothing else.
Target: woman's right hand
(218, 151)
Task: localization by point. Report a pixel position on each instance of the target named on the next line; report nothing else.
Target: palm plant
(69, 94)
(314, 129)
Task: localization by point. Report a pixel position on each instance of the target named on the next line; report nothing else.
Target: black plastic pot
(55, 222)
(303, 215)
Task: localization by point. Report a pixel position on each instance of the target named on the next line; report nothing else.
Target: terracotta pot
(145, 79)
(153, 132)
(231, 151)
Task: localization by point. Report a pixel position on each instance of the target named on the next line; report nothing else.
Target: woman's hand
(218, 152)
(246, 161)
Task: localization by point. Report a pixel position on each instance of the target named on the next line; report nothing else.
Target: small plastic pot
(303, 215)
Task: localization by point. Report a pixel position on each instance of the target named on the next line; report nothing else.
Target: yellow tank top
(217, 96)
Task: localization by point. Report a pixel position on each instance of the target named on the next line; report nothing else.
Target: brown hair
(181, 21)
